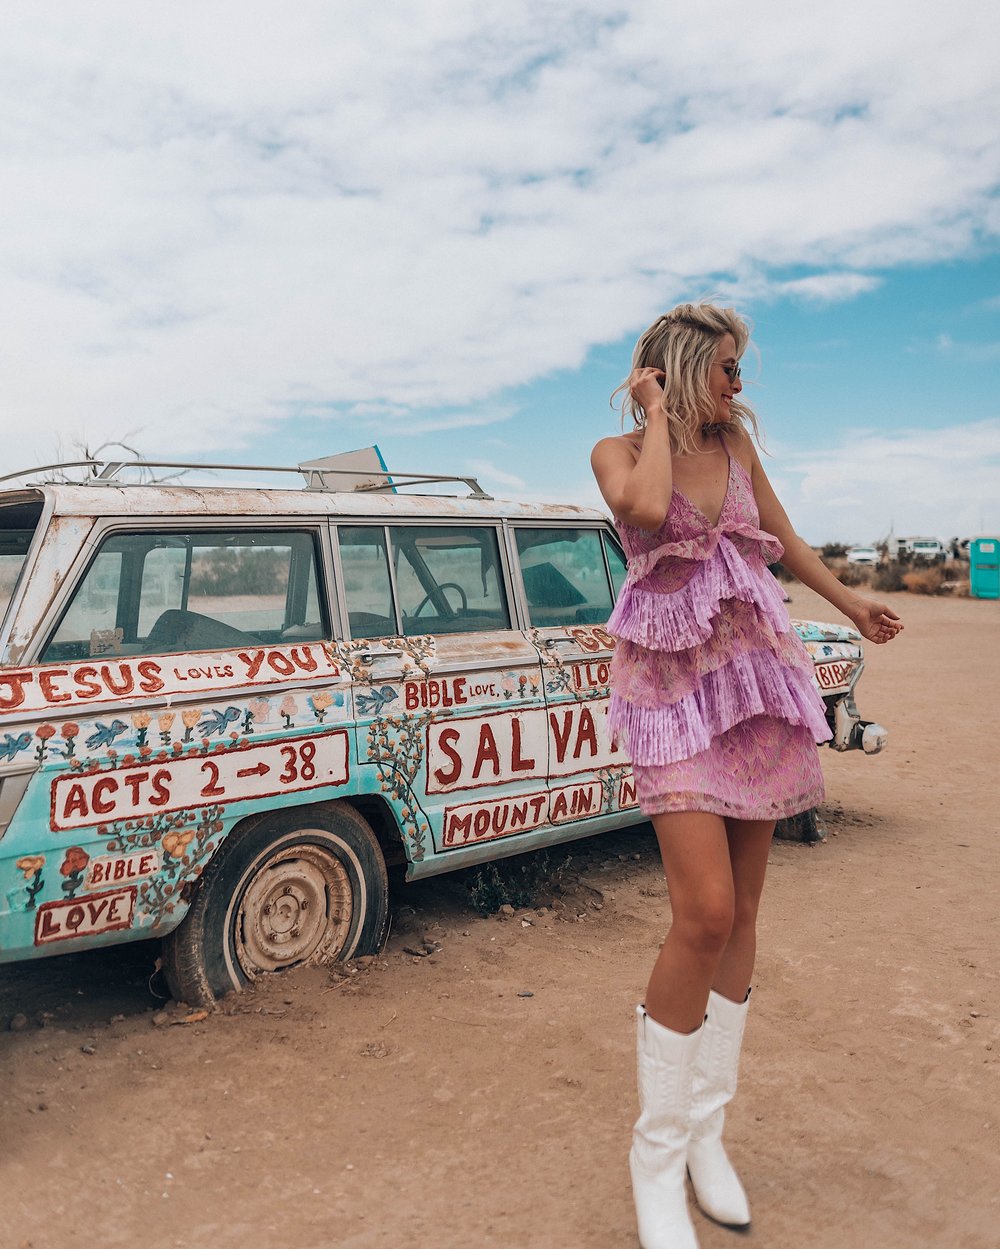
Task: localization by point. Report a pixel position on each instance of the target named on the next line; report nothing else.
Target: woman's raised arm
(638, 491)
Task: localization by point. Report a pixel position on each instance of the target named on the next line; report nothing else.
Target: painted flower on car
(31, 865)
(73, 867)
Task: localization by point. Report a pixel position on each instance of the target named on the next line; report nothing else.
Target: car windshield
(18, 523)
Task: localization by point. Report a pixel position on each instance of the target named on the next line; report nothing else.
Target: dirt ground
(482, 1095)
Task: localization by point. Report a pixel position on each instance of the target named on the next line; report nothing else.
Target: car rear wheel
(302, 885)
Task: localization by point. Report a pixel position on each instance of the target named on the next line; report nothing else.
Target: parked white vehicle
(863, 555)
(927, 550)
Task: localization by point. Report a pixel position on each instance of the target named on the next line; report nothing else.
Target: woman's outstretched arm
(874, 620)
(638, 491)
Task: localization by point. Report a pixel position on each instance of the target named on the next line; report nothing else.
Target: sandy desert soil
(427, 1101)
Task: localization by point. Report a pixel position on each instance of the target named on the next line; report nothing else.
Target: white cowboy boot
(716, 1185)
(659, 1139)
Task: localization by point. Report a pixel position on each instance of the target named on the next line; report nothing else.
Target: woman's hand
(647, 390)
(875, 621)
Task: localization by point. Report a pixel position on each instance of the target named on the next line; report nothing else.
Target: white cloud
(218, 217)
(938, 482)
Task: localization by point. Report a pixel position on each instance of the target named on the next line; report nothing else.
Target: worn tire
(299, 885)
(806, 827)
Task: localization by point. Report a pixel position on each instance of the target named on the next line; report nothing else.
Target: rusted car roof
(237, 501)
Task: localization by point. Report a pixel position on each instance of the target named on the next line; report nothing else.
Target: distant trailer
(984, 567)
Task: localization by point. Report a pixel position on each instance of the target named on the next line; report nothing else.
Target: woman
(712, 690)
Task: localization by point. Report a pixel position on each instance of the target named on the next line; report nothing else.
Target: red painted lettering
(74, 918)
(76, 802)
(50, 691)
(586, 733)
(585, 640)
(561, 738)
(48, 926)
(583, 801)
(559, 807)
(133, 781)
(98, 873)
(149, 671)
(106, 785)
(123, 683)
(161, 793)
(458, 689)
(519, 815)
(15, 682)
(281, 664)
(303, 656)
(517, 763)
(487, 752)
(253, 661)
(447, 742)
(146, 864)
(96, 910)
(412, 695)
(458, 824)
(87, 684)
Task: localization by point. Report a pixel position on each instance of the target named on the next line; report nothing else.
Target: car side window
(162, 593)
(448, 579)
(565, 576)
(364, 563)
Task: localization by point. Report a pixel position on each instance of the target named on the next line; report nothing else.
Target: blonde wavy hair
(682, 343)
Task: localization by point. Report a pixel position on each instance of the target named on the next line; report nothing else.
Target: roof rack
(105, 472)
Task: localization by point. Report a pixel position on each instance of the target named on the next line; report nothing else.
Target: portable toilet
(984, 567)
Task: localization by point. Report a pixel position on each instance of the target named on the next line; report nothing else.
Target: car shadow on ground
(96, 987)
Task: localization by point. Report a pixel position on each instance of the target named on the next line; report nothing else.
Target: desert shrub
(889, 576)
(833, 550)
(781, 572)
(854, 574)
(517, 881)
(925, 580)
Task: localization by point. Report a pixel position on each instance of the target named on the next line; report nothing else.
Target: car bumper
(850, 732)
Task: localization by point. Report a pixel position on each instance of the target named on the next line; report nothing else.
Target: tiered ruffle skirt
(712, 691)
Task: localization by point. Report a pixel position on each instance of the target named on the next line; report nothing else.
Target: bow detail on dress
(703, 546)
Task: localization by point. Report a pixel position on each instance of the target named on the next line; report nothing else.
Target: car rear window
(162, 593)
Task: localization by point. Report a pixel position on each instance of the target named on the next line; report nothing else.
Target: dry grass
(925, 580)
(947, 578)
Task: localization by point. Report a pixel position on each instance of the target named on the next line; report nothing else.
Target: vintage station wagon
(224, 710)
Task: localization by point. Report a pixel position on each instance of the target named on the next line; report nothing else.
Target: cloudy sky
(272, 232)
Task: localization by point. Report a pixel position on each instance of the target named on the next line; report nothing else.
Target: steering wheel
(445, 585)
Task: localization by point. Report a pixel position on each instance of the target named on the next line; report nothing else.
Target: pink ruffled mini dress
(711, 688)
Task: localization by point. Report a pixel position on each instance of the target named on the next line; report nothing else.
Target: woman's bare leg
(696, 853)
(749, 847)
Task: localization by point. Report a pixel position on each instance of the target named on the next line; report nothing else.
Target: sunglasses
(732, 371)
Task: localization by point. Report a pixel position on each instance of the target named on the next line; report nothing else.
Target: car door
(448, 699)
(569, 576)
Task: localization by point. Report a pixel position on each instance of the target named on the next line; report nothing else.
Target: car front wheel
(301, 885)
